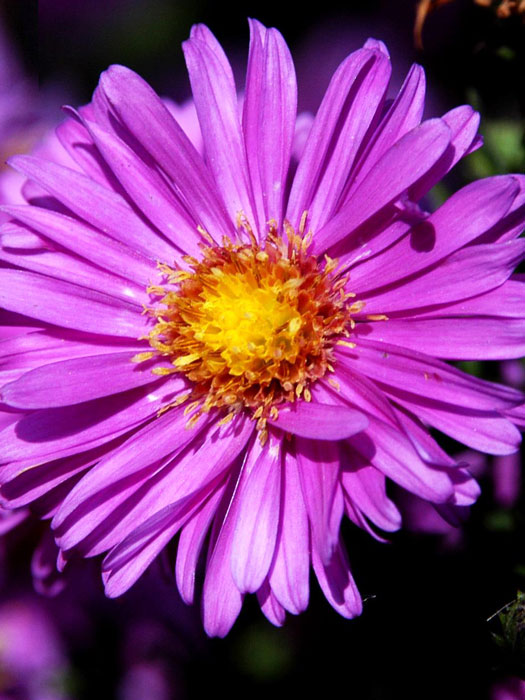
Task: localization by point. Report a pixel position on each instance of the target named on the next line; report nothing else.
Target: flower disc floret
(251, 326)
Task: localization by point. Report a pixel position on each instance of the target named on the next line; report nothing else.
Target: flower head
(242, 344)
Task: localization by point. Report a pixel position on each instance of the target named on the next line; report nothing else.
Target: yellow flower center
(248, 323)
(252, 326)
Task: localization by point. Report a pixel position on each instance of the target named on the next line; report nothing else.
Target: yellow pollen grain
(205, 235)
(142, 356)
(227, 419)
(186, 360)
(192, 421)
(191, 407)
(155, 290)
(274, 413)
(302, 223)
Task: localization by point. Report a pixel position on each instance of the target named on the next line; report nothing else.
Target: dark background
(423, 633)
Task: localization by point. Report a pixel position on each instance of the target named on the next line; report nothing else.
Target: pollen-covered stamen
(251, 326)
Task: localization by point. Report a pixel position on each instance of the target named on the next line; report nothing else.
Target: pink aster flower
(243, 345)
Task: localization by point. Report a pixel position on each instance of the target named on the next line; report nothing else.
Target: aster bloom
(242, 344)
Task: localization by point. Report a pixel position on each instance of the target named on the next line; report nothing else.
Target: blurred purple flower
(306, 387)
(32, 662)
(507, 468)
(145, 680)
(20, 115)
(513, 372)
(510, 689)
(507, 479)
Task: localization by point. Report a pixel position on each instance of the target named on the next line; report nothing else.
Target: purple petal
(221, 599)
(507, 301)
(142, 112)
(168, 500)
(376, 45)
(270, 606)
(320, 421)
(517, 415)
(289, 574)
(120, 471)
(464, 123)
(467, 489)
(319, 465)
(392, 453)
(9, 519)
(79, 145)
(215, 96)
(354, 96)
(47, 580)
(187, 480)
(186, 474)
(38, 480)
(424, 375)
(269, 117)
(466, 215)
(91, 245)
(487, 432)
(148, 190)
(402, 165)
(99, 206)
(19, 238)
(365, 486)
(259, 495)
(427, 448)
(512, 225)
(404, 114)
(77, 380)
(190, 545)
(468, 272)
(31, 350)
(127, 562)
(68, 305)
(385, 445)
(65, 267)
(337, 583)
(58, 432)
(507, 480)
(456, 339)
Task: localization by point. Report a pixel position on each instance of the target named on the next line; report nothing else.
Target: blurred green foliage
(510, 640)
